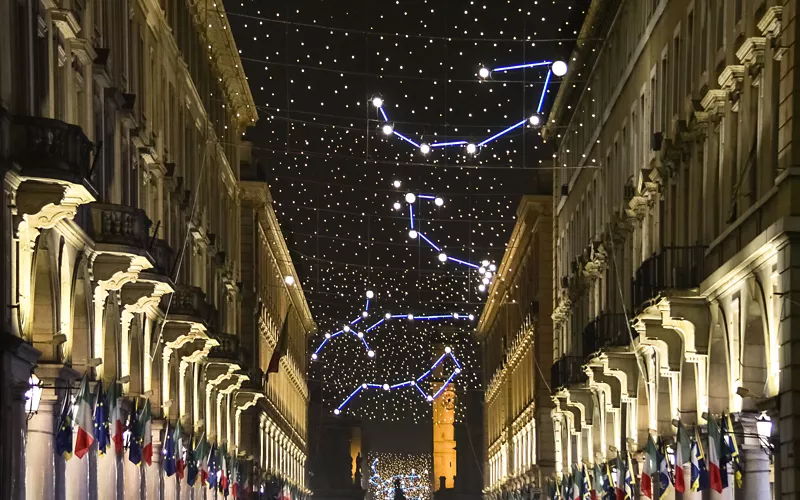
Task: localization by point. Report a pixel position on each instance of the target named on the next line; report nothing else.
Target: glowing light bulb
(396, 205)
(370, 294)
(535, 120)
(485, 281)
(429, 398)
(314, 356)
(485, 263)
(455, 315)
(364, 314)
(559, 68)
(337, 411)
(410, 316)
(488, 274)
(481, 270)
(458, 370)
(377, 102)
(289, 280)
(471, 148)
(397, 184)
(438, 201)
(413, 382)
(385, 387)
(388, 315)
(387, 129)
(448, 350)
(412, 234)
(371, 353)
(482, 288)
(424, 148)
(471, 317)
(360, 335)
(411, 197)
(442, 257)
(363, 386)
(484, 72)
(327, 335)
(493, 268)
(346, 328)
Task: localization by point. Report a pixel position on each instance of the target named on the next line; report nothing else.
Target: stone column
(756, 483)
(155, 472)
(17, 359)
(43, 466)
(76, 484)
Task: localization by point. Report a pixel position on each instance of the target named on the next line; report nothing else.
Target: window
(704, 13)
(676, 75)
(720, 27)
(689, 52)
(662, 108)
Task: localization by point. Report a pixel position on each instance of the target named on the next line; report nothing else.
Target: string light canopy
(338, 178)
(414, 486)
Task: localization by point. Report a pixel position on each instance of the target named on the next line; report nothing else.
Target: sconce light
(764, 430)
(33, 396)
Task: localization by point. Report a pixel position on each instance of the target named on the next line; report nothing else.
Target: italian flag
(714, 454)
(146, 423)
(177, 438)
(201, 455)
(115, 425)
(84, 418)
(682, 450)
(649, 468)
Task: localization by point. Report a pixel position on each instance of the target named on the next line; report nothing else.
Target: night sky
(314, 67)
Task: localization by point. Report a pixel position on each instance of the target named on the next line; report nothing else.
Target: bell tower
(444, 413)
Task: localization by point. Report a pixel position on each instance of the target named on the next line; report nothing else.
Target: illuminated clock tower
(444, 443)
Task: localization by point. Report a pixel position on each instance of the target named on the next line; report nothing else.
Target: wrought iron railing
(672, 268)
(188, 301)
(566, 371)
(605, 331)
(116, 225)
(228, 348)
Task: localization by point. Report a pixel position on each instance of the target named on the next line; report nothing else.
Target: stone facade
(133, 251)
(516, 331)
(675, 231)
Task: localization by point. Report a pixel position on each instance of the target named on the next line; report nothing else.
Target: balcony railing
(116, 225)
(163, 257)
(605, 331)
(188, 301)
(46, 148)
(228, 349)
(567, 371)
(672, 268)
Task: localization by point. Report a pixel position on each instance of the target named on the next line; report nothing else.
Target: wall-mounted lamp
(33, 396)
(764, 430)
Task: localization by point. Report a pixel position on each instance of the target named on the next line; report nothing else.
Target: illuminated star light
(558, 68)
(386, 488)
(448, 353)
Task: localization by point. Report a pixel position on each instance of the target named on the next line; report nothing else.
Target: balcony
(188, 304)
(606, 331)
(45, 149)
(567, 371)
(672, 268)
(162, 256)
(228, 349)
(116, 226)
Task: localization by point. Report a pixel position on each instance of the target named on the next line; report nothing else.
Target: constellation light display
(485, 269)
(415, 383)
(558, 68)
(414, 486)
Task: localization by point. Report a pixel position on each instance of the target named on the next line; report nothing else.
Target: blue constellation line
(448, 353)
(486, 269)
(557, 68)
(361, 335)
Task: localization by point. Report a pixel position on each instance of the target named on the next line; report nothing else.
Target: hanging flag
(586, 490)
(552, 489)
(191, 463)
(234, 477)
(649, 468)
(620, 486)
(177, 438)
(608, 488)
(64, 435)
(212, 467)
(630, 482)
(201, 454)
(113, 407)
(565, 490)
(682, 449)
(135, 436)
(715, 476)
(701, 461)
(280, 348)
(168, 450)
(84, 419)
(731, 449)
(222, 480)
(100, 420)
(664, 477)
(146, 422)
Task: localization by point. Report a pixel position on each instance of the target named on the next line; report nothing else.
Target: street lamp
(764, 430)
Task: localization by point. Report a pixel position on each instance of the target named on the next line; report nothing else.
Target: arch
(111, 334)
(136, 355)
(81, 311)
(43, 324)
(753, 347)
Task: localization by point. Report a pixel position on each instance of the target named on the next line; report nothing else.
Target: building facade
(133, 251)
(676, 246)
(515, 330)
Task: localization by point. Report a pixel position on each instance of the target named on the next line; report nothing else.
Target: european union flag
(64, 435)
